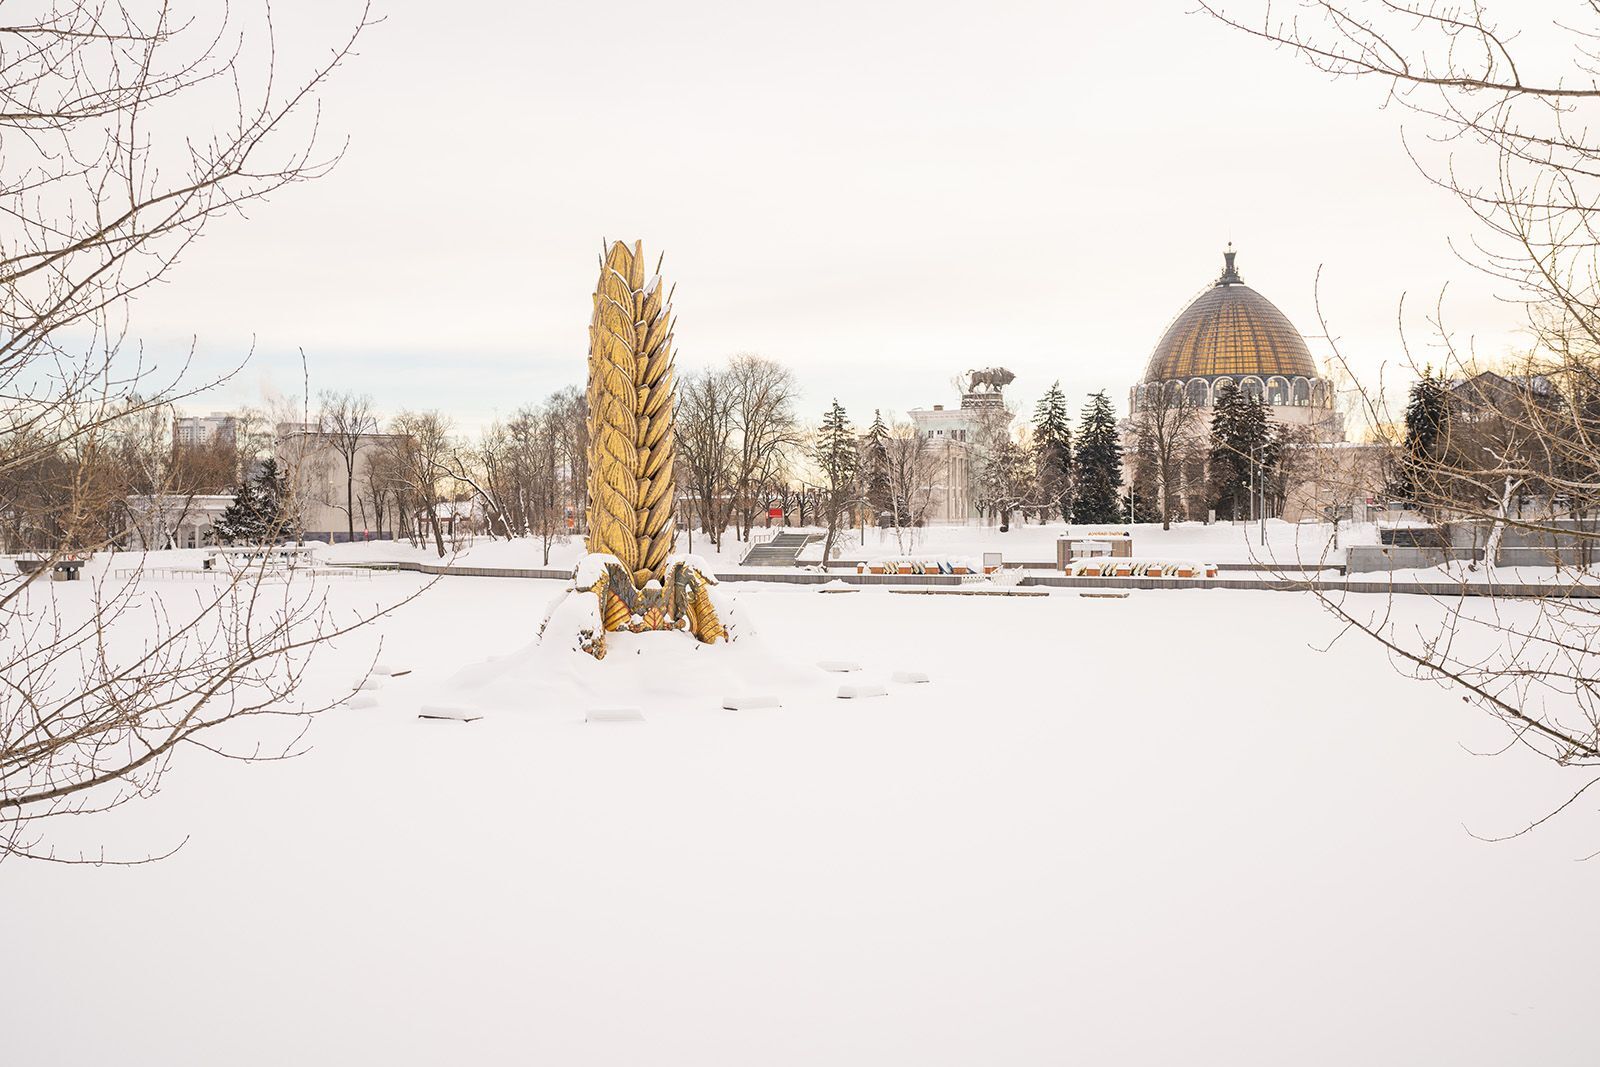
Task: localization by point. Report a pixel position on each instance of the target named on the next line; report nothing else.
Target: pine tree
(273, 490)
(239, 521)
(1141, 503)
(256, 514)
(1139, 506)
(875, 470)
(838, 457)
(1097, 470)
(1241, 450)
(1427, 411)
(1052, 441)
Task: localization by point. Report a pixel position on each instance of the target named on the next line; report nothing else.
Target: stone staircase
(778, 552)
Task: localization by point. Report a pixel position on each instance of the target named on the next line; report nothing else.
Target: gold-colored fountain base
(682, 602)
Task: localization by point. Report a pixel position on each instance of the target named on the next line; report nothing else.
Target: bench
(66, 570)
(247, 554)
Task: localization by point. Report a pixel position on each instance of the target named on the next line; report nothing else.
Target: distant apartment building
(216, 428)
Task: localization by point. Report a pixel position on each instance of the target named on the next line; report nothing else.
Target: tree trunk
(438, 533)
(1491, 547)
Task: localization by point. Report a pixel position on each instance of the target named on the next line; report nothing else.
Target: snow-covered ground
(521, 552)
(1163, 829)
(1288, 548)
(1287, 544)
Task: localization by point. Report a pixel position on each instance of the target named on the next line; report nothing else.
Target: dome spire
(1229, 272)
(1230, 276)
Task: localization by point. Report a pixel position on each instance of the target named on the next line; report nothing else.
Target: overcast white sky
(879, 195)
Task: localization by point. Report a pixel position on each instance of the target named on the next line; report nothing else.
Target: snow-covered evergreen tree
(1097, 466)
(875, 470)
(1139, 506)
(1427, 409)
(272, 487)
(1241, 450)
(838, 457)
(1052, 443)
(239, 521)
(256, 514)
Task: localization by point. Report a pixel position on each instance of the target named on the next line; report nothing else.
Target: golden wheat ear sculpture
(632, 450)
(631, 443)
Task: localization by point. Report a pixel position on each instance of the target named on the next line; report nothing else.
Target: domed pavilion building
(1232, 334)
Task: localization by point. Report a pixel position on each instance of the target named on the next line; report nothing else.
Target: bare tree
(253, 439)
(570, 409)
(345, 423)
(765, 431)
(1525, 165)
(63, 496)
(127, 129)
(912, 469)
(521, 473)
(1168, 429)
(546, 491)
(1007, 482)
(488, 471)
(987, 455)
(705, 423)
(798, 501)
(737, 432)
(385, 486)
(420, 450)
(157, 477)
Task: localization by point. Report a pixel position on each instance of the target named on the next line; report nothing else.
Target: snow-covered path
(1153, 830)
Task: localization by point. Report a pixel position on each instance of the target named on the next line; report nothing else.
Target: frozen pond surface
(1161, 829)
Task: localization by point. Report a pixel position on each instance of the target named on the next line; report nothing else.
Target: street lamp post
(1260, 478)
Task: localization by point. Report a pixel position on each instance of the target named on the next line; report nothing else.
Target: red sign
(774, 513)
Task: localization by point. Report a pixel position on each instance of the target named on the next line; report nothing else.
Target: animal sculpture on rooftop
(631, 452)
(993, 379)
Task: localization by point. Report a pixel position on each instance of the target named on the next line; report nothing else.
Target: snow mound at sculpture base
(657, 672)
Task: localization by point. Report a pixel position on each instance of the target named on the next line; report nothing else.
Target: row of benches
(68, 569)
(1111, 567)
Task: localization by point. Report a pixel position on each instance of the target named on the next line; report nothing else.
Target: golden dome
(1232, 330)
